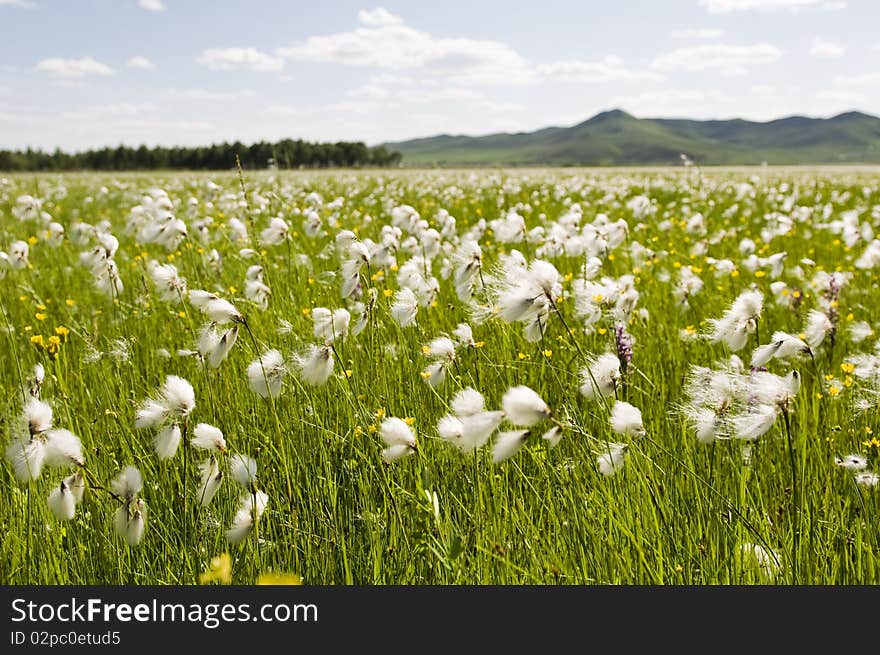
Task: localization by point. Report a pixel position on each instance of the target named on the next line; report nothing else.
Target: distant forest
(284, 154)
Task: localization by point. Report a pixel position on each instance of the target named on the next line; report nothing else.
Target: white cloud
(18, 4)
(861, 80)
(698, 33)
(140, 63)
(214, 96)
(728, 59)
(283, 110)
(73, 68)
(378, 17)
(821, 49)
(607, 69)
(369, 91)
(674, 102)
(113, 110)
(239, 59)
(399, 47)
(727, 6)
(151, 5)
(393, 46)
(849, 99)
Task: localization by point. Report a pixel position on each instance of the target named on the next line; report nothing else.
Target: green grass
(678, 513)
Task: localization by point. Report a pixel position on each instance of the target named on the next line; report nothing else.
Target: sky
(78, 74)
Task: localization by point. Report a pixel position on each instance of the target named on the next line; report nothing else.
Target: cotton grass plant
(494, 377)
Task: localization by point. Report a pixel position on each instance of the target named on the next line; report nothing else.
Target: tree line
(283, 154)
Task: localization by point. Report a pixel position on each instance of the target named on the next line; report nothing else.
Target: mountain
(618, 138)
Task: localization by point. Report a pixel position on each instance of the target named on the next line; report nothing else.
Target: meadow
(571, 376)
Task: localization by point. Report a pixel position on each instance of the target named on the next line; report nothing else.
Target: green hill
(618, 138)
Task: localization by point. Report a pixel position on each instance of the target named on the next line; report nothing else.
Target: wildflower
(243, 470)
(210, 479)
(266, 374)
(64, 498)
(464, 336)
(739, 321)
(169, 285)
(525, 295)
(315, 365)
(208, 437)
(601, 376)
(470, 425)
(176, 399)
(522, 406)
(612, 459)
(626, 419)
(853, 462)
(859, 331)
(755, 422)
(553, 436)
(781, 346)
(358, 257)
(328, 325)
(219, 570)
(276, 233)
(399, 438)
(130, 517)
(404, 307)
(818, 327)
(167, 440)
(257, 292)
(867, 479)
(469, 264)
(215, 346)
(250, 509)
(509, 444)
(220, 311)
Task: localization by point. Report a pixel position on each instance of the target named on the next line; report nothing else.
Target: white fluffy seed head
(266, 374)
(467, 401)
(211, 477)
(817, 328)
(27, 457)
(243, 470)
(626, 419)
(394, 431)
(250, 507)
(611, 459)
(38, 416)
(128, 483)
(477, 428)
(61, 502)
(63, 448)
(755, 422)
(553, 436)
(208, 437)
(315, 365)
(441, 347)
(852, 462)
(509, 444)
(450, 428)
(167, 440)
(523, 406)
(600, 377)
(178, 396)
(405, 307)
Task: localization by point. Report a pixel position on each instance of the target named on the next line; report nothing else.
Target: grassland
(678, 511)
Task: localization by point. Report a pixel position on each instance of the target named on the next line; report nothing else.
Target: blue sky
(85, 73)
